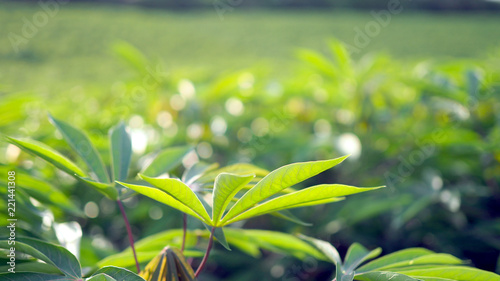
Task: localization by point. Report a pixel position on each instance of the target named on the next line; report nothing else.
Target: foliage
(51, 262)
(414, 264)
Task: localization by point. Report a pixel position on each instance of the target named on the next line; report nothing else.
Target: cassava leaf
(225, 188)
(80, 142)
(165, 198)
(105, 188)
(383, 276)
(314, 195)
(182, 193)
(121, 152)
(119, 273)
(166, 160)
(278, 180)
(48, 154)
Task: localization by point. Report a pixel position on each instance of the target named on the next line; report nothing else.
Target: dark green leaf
(121, 152)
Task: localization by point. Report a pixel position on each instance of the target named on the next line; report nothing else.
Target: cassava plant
(255, 201)
(98, 177)
(413, 264)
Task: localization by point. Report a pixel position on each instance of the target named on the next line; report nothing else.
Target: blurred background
(411, 89)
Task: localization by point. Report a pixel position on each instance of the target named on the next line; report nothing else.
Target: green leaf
(121, 152)
(314, 195)
(119, 273)
(225, 188)
(278, 180)
(280, 243)
(431, 259)
(357, 254)
(102, 277)
(82, 145)
(383, 276)
(105, 188)
(196, 171)
(182, 193)
(34, 266)
(126, 259)
(165, 198)
(166, 161)
(458, 273)
(42, 191)
(52, 254)
(237, 169)
(23, 276)
(48, 154)
(326, 248)
(394, 258)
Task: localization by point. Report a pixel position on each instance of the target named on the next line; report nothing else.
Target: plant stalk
(205, 258)
(129, 231)
(184, 231)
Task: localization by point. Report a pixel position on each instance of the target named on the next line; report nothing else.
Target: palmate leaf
(414, 264)
(48, 154)
(278, 180)
(82, 145)
(178, 195)
(314, 195)
(121, 152)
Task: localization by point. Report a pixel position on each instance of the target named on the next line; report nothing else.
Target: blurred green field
(74, 48)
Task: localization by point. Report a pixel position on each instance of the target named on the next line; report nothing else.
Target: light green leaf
(48, 154)
(383, 276)
(126, 259)
(196, 171)
(237, 169)
(166, 161)
(458, 273)
(165, 198)
(394, 258)
(182, 193)
(314, 195)
(105, 188)
(225, 188)
(121, 152)
(119, 273)
(278, 180)
(357, 254)
(280, 243)
(82, 145)
(52, 254)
